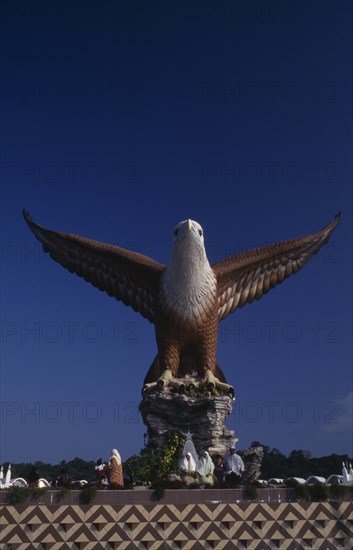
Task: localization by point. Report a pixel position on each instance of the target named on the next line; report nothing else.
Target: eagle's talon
(165, 379)
(148, 387)
(212, 384)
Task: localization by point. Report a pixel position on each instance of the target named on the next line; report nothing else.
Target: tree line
(298, 463)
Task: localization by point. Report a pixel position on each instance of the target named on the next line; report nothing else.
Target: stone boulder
(252, 458)
(203, 415)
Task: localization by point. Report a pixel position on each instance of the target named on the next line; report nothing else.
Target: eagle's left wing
(249, 275)
(127, 276)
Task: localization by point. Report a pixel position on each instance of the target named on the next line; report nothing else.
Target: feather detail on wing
(247, 276)
(123, 274)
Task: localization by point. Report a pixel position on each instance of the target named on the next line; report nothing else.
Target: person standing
(205, 469)
(188, 467)
(219, 471)
(233, 465)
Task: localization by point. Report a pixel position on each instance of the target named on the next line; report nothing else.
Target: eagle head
(189, 230)
(189, 245)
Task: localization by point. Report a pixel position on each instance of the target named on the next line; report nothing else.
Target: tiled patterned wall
(222, 525)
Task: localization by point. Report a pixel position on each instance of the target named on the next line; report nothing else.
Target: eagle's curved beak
(189, 225)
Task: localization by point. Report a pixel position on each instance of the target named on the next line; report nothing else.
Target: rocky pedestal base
(203, 415)
(252, 458)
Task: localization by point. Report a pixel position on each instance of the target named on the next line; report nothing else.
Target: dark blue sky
(119, 119)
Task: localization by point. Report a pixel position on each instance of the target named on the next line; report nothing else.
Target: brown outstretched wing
(123, 274)
(249, 275)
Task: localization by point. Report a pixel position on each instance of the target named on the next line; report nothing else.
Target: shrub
(88, 494)
(291, 483)
(142, 468)
(37, 492)
(171, 453)
(17, 495)
(318, 492)
(62, 493)
(151, 468)
(336, 490)
(159, 491)
(302, 491)
(250, 492)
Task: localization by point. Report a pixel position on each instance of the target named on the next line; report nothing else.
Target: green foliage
(62, 492)
(250, 491)
(150, 468)
(88, 494)
(318, 492)
(141, 468)
(37, 492)
(18, 495)
(337, 491)
(159, 492)
(301, 490)
(171, 454)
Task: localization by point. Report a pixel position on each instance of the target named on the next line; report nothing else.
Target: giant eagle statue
(187, 298)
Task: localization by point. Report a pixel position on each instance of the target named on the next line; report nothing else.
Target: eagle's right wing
(123, 274)
(247, 276)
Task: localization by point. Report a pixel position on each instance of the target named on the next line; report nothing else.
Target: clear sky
(120, 119)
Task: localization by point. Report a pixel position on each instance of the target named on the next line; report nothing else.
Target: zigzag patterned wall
(223, 526)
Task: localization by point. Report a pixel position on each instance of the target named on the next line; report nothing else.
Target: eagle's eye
(200, 232)
(176, 231)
